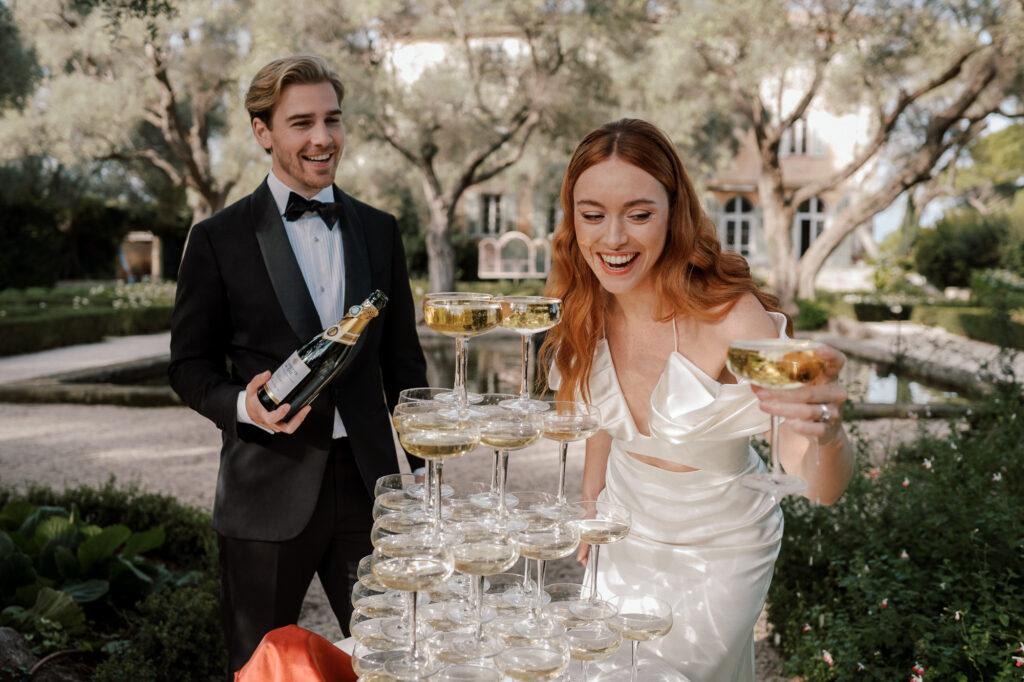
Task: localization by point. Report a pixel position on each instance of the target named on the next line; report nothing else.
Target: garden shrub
(997, 289)
(57, 328)
(810, 315)
(917, 572)
(172, 633)
(961, 241)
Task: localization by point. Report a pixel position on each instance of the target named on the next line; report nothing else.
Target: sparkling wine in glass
(641, 618)
(480, 551)
(539, 661)
(592, 641)
(411, 563)
(543, 543)
(504, 429)
(603, 523)
(529, 315)
(566, 421)
(775, 364)
(436, 435)
(461, 316)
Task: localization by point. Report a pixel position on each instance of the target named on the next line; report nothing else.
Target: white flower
(996, 477)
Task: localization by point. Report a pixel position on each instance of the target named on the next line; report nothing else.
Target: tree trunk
(440, 254)
(782, 278)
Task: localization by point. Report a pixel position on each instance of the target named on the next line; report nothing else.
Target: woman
(651, 303)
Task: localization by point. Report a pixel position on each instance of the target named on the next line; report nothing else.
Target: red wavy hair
(693, 275)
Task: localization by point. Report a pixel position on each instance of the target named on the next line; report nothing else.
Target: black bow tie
(298, 206)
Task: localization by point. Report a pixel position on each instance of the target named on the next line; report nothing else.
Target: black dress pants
(263, 584)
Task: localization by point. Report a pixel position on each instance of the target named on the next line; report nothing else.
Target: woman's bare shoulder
(747, 319)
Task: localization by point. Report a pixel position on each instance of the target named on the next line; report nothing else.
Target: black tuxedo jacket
(242, 307)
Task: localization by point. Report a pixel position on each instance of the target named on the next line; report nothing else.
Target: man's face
(305, 137)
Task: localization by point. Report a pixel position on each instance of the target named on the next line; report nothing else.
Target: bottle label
(339, 335)
(286, 377)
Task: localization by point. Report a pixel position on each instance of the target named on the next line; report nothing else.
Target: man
(256, 281)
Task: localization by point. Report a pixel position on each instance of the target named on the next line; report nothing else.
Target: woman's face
(620, 213)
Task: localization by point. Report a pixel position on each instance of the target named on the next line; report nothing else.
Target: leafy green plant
(918, 571)
(961, 241)
(811, 315)
(167, 631)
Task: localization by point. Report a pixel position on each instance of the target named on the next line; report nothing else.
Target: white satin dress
(699, 540)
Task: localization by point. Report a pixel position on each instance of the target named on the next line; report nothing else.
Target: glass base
(489, 500)
(525, 405)
(544, 627)
(588, 610)
(416, 491)
(452, 397)
(487, 646)
(563, 512)
(464, 613)
(409, 668)
(646, 670)
(775, 484)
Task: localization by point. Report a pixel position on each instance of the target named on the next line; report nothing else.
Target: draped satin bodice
(694, 420)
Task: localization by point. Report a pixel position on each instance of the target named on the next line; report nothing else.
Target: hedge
(74, 326)
(978, 323)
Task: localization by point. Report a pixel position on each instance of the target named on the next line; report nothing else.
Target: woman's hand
(814, 410)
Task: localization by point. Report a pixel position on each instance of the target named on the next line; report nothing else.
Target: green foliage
(920, 563)
(20, 71)
(171, 631)
(176, 637)
(57, 569)
(997, 289)
(32, 245)
(811, 315)
(37, 318)
(961, 241)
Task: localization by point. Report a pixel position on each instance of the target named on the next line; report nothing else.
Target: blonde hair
(267, 84)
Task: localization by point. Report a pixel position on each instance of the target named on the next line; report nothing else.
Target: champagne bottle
(305, 373)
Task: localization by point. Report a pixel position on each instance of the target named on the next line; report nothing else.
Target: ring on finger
(826, 413)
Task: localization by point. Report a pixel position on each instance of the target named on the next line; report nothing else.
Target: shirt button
(321, 290)
(316, 239)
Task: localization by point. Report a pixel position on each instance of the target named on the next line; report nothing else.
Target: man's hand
(270, 420)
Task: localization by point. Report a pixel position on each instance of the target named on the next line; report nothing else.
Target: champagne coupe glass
(461, 316)
(539, 661)
(435, 433)
(529, 315)
(479, 551)
(411, 563)
(504, 429)
(603, 523)
(641, 618)
(775, 364)
(529, 513)
(564, 422)
(592, 641)
(542, 543)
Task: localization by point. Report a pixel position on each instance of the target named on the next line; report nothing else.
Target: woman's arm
(594, 466)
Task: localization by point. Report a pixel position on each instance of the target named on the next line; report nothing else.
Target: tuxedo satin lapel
(285, 275)
(357, 258)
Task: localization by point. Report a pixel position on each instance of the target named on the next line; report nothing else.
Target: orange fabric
(292, 654)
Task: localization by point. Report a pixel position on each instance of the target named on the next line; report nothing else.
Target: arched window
(738, 225)
(808, 223)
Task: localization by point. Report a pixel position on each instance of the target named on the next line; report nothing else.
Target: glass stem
(563, 448)
(494, 472)
(477, 593)
(414, 651)
(461, 392)
(592, 566)
(524, 386)
(776, 466)
(527, 587)
(633, 665)
(435, 493)
(502, 479)
(538, 602)
(428, 489)
(410, 619)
